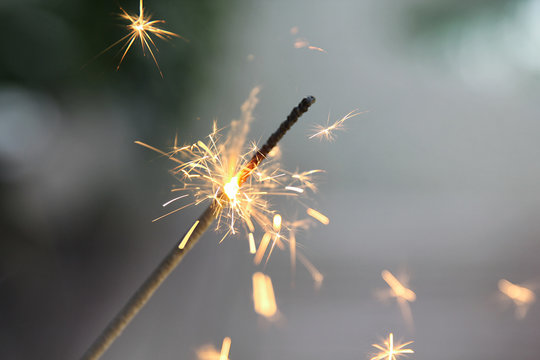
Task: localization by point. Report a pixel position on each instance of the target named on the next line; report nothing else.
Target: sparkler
(402, 294)
(227, 197)
(519, 294)
(391, 351)
(140, 27)
(326, 132)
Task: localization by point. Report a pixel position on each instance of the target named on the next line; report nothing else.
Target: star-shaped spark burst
(327, 132)
(140, 27)
(391, 351)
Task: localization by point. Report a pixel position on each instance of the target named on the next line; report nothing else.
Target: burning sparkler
(140, 27)
(403, 295)
(522, 297)
(391, 351)
(233, 195)
(327, 132)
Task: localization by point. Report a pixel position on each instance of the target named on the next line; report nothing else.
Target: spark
(209, 352)
(264, 299)
(225, 348)
(141, 27)
(318, 216)
(303, 43)
(223, 170)
(300, 43)
(519, 294)
(402, 294)
(327, 132)
(391, 351)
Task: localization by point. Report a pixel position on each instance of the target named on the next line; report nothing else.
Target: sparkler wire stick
(173, 258)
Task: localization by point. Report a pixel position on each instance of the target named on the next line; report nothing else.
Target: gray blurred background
(440, 180)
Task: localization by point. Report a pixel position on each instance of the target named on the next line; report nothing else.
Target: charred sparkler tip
(272, 141)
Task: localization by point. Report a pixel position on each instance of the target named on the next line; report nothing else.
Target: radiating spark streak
(519, 294)
(188, 235)
(262, 248)
(391, 351)
(140, 27)
(294, 188)
(315, 274)
(318, 216)
(173, 200)
(225, 348)
(264, 299)
(172, 212)
(251, 239)
(326, 132)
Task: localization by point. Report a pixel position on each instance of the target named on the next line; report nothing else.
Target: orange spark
(326, 132)
(318, 216)
(209, 352)
(225, 348)
(303, 43)
(391, 351)
(402, 294)
(263, 295)
(140, 27)
(519, 294)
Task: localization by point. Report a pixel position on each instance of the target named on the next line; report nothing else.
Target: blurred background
(440, 181)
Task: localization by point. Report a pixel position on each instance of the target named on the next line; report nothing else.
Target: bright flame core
(231, 188)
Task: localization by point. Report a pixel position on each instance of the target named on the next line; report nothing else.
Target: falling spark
(327, 132)
(252, 248)
(519, 294)
(263, 295)
(391, 351)
(402, 294)
(209, 352)
(318, 216)
(223, 170)
(303, 43)
(225, 348)
(141, 27)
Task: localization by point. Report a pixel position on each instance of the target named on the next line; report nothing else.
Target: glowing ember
(327, 132)
(402, 294)
(140, 27)
(391, 351)
(263, 295)
(519, 294)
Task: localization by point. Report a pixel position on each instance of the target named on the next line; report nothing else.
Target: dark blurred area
(440, 178)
